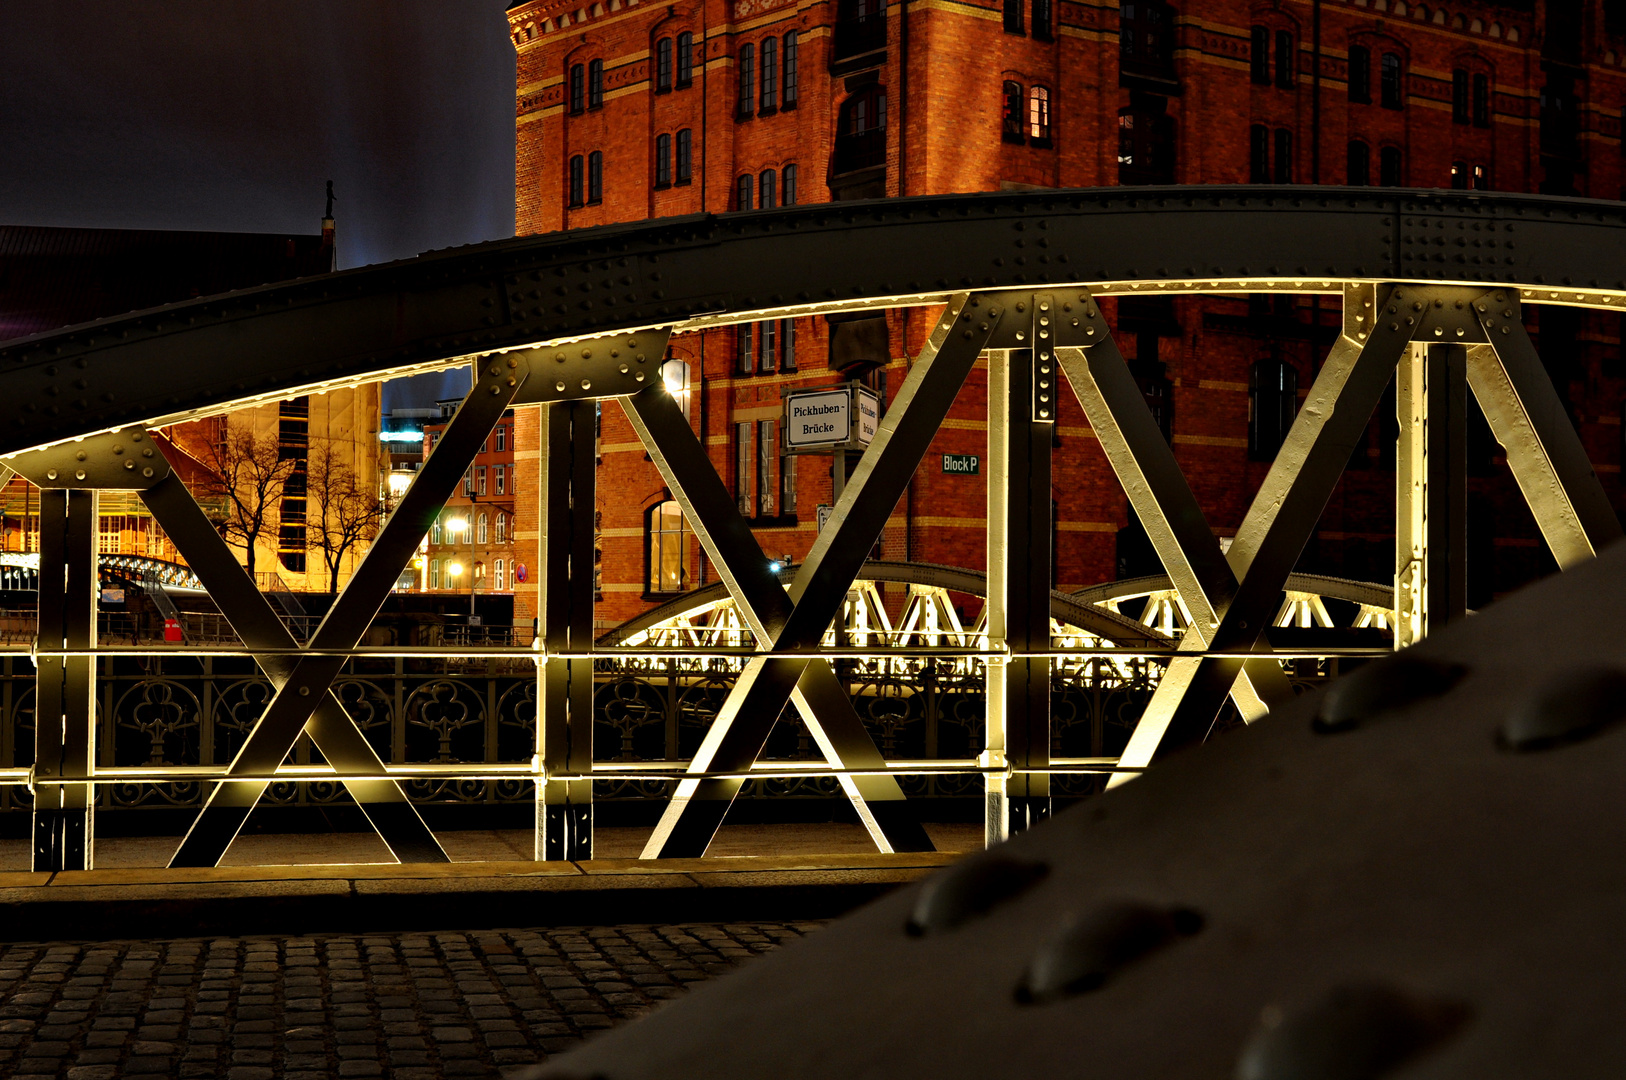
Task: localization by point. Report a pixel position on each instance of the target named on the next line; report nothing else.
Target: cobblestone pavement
(408, 1006)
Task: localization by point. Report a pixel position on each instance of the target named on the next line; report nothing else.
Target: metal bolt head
(80, 456)
(1572, 706)
(50, 474)
(1090, 950)
(559, 386)
(79, 474)
(969, 889)
(147, 471)
(304, 691)
(1383, 687)
(1356, 1032)
(587, 384)
(129, 463)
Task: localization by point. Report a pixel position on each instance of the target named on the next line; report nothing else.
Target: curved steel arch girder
(203, 356)
(1076, 608)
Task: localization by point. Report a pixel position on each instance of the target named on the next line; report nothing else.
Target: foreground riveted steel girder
(175, 362)
(1404, 894)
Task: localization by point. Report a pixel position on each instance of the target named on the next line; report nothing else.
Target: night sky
(232, 116)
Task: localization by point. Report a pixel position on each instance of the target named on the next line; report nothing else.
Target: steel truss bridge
(1431, 285)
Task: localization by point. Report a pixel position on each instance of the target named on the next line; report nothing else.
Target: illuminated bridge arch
(1431, 286)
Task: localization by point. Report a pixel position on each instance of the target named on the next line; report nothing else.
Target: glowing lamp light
(672, 373)
(775, 566)
(457, 525)
(454, 569)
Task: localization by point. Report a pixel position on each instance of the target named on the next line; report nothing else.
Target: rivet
(624, 369)
(969, 889)
(1356, 1031)
(147, 452)
(639, 358)
(129, 463)
(512, 381)
(79, 474)
(1439, 331)
(513, 362)
(304, 691)
(560, 386)
(587, 354)
(1461, 332)
(638, 375)
(1567, 708)
(147, 471)
(80, 456)
(1381, 687)
(494, 370)
(587, 384)
(1021, 336)
(1090, 330)
(496, 389)
(1088, 952)
(135, 437)
(559, 358)
(50, 474)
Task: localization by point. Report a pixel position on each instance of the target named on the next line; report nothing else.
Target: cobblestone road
(408, 1006)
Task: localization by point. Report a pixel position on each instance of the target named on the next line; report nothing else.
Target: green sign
(962, 464)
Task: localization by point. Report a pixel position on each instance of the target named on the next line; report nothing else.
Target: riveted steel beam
(64, 700)
(447, 307)
(1544, 453)
(311, 677)
(564, 729)
(615, 365)
(1431, 491)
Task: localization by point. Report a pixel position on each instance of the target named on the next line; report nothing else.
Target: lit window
(434, 533)
(481, 529)
(497, 575)
(744, 466)
(480, 479)
(767, 449)
(502, 475)
(675, 377)
(666, 548)
(434, 573)
(1039, 114)
(745, 348)
(502, 527)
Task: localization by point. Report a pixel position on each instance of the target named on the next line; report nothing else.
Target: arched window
(1284, 156)
(666, 548)
(1459, 175)
(595, 84)
(742, 191)
(768, 355)
(788, 186)
(1481, 104)
(1039, 115)
(578, 88)
(1460, 110)
(1360, 74)
(675, 377)
(1481, 178)
(434, 532)
(663, 161)
(576, 175)
(1273, 401)
(1259, 55)
(1042, 20)
(502, 527)
(482, 528)
(748, 81)
(1010, 126)
(663, 64)
(434, 573)
(745, 337)
(479, 572)
(1391, 89)
(767, 190)
(498, 580)
(685, 59)
(1389, 167)
(787, 345)
(770, 75)
(684, 165)
(1359, 167)
(1286, 60)
(861, 131)
(789, 55)
(595, 176)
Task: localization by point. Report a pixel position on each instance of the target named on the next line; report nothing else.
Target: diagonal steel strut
(308, 682)
(791, 626)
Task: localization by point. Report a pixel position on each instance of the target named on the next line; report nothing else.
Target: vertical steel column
(564, 730)
(65, 696)
(1431, 491)
(1018, 695)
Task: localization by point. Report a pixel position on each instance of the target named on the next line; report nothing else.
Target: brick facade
(1520, 96)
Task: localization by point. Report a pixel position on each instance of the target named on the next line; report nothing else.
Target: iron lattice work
(1431, 286)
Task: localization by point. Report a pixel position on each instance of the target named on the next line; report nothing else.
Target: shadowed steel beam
(331, 728)
(767, 683)
(307, 685)
(1544, 452)
(64, 713)
(1431, 491)
(564, 808)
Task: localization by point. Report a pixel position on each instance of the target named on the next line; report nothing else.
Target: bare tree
(248, 471)
(342, 513)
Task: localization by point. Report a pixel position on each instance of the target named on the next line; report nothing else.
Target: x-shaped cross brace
(304, 695)
(792, 626)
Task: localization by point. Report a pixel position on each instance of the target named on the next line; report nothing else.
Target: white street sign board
(869, 416)
(817, 418)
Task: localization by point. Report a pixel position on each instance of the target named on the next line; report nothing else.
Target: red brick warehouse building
(629, 111)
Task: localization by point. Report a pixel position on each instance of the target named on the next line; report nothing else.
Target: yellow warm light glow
(454, 569)
(457, 525)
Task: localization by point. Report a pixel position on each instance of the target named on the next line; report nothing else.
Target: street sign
(962, 464)
(824, 515)
(834, 418)
(817, 419)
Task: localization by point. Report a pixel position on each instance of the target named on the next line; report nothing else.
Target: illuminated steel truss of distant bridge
(1431, 285)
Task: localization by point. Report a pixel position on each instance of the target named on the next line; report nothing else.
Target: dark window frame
(787, 185)
(1258, 154)
(663, 65)
(683, 157)
(577, 82)
(1013, 17)
(1013, 113)
(1282, 173)
(1360, 74)
(1391, 167)
(747, 60)
(576, 182)
(1358, 164)
(1460, 106)
(595, 84)
(595, 178)
(1043, 16)
(1259, 55)
(1392, 88)
(1481, 100)
(768, 90)
(1041, 102)
(1287, 55)
(744, 191)
(1273, 402)
(768, 189)
(745, 349)
(788, 59)
(663, 161)
(684, 47)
